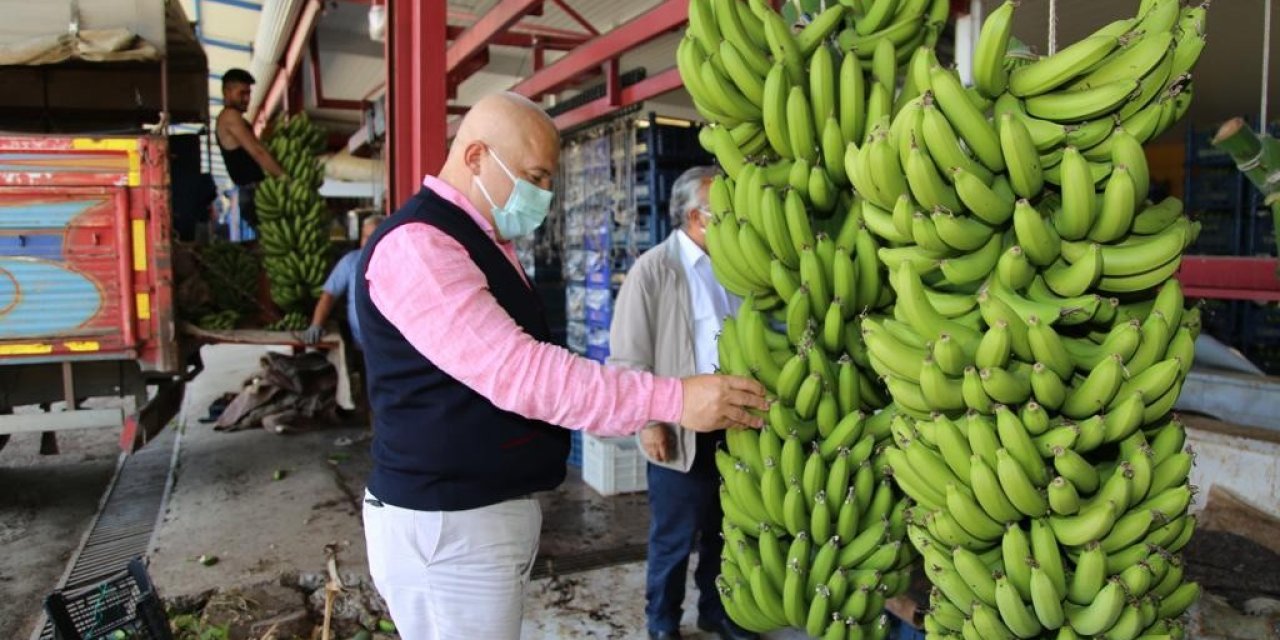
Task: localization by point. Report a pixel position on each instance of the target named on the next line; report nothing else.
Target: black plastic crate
(1260, 325)
(1213, 189)
(668, 141)
(1266, 358)
(1218, 318)
(123, 605)
(1262, 240)
(1218, 233)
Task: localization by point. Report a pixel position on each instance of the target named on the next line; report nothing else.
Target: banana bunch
(778, 97)
(293, 221)
(292, 321)
(298, 127)
(1133, 75)
(231, 271)
(1039, 536)
(1037, 342)
(815, 531)
(224, 320)
(814, 534)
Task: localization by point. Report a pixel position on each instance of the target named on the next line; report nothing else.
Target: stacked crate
(1234, 221)
(616, 186)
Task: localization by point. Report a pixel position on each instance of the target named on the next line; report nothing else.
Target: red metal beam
(612, 83)
(416, 93)
(577, 17)
(663, 18)
(468, 68)
(646, 89)
(1230, 278)
(478, 36)
(307, 20)
(522, 26)
(519, 38)
(322, 101)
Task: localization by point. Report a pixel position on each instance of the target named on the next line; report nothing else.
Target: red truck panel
(84, 251)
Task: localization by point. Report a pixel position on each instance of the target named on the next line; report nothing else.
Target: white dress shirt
(708, 300)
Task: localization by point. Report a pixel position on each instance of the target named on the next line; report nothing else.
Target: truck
(87, 306)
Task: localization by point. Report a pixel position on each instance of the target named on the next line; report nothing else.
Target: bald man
(470, 398)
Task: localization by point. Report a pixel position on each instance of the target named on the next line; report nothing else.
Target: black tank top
(241, 166)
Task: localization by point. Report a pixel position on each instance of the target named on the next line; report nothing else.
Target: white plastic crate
(613, 465)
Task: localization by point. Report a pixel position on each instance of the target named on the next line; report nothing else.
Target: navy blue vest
(438, 445)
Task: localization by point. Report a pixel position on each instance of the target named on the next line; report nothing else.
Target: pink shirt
(426, 284)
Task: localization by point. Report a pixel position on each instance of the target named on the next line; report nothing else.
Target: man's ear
(471, 156)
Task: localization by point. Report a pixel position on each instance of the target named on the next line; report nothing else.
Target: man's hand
(656, 440)
(714, 402)
(313, 334)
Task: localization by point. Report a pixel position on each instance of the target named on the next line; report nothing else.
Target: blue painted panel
(38, 297)
(44, 215)
(47, 246)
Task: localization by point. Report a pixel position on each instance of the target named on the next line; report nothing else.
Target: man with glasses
(668, 314)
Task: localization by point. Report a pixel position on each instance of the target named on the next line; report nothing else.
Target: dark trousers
(248, 208)
(684, 514)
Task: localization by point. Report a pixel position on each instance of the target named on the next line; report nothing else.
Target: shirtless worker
(247, 160)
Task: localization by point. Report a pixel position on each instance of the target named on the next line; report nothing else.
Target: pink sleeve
(426, 284)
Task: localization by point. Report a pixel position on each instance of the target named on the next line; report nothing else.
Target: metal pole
(1266, 65)
(1053, 27)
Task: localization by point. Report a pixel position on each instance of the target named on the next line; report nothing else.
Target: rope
(1254, 162)
(1053, 27)
(98, 602)
(1266, 64)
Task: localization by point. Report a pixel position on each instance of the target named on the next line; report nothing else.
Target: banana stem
(1258, 158)
(1255, 156)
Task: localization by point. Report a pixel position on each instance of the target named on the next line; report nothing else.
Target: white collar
(690, 252)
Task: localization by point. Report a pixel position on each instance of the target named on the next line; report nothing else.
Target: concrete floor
(225, 503)
(45, 506)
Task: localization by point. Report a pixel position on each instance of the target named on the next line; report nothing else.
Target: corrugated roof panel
(347, 75)
(222, 59)
(230, 21)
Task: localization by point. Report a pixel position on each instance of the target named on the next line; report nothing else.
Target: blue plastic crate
(900, 630)
(598, 353)
(598, 343)
(575, 449)
(599, 305)
(596, 240)
(597, 267)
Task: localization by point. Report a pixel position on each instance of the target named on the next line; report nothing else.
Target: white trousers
(453, 575)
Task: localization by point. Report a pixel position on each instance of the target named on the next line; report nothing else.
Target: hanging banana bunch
(293, 221)
(814, 529)
(1038, 341)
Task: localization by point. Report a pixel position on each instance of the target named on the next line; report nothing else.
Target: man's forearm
(268, 163)
(323, 308)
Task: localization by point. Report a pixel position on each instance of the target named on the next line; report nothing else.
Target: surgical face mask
(526, 208)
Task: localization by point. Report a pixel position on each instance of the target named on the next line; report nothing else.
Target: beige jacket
(652, 330)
